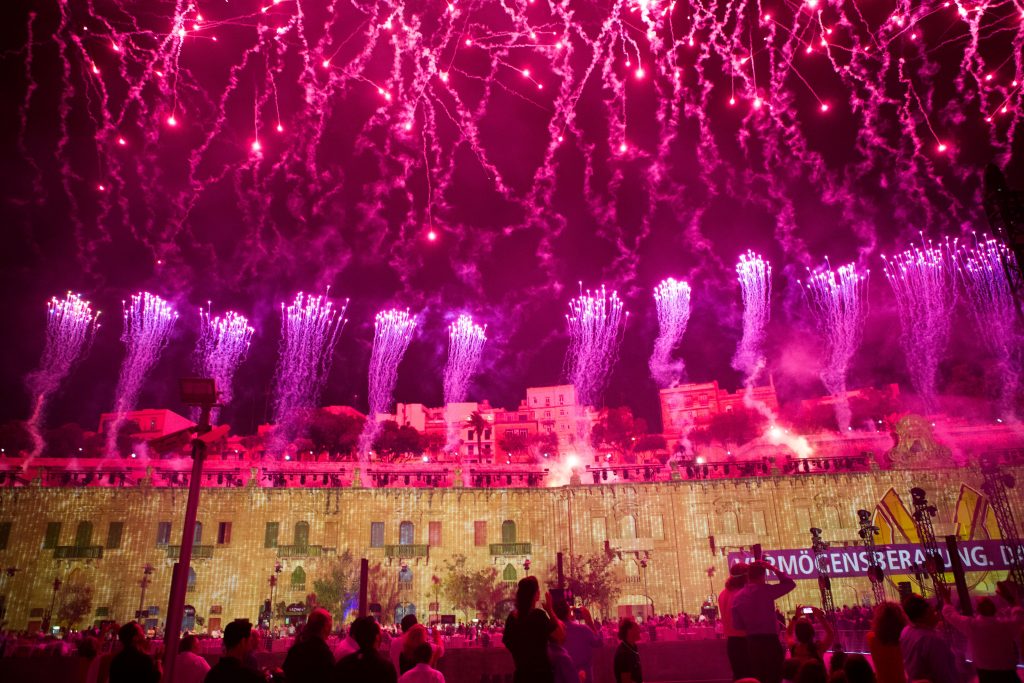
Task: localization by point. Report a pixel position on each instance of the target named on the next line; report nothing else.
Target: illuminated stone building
(100, 523)
(689, 405)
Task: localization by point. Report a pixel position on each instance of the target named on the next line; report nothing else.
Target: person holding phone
(527, 632)
(804, 645)
(581, 641)
(753, 612)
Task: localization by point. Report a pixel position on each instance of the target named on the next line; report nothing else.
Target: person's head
(858, 669)
(414, 637)
(366, 632)
(790, 668)
(88, 647)
(236, 637)
(838, 659)
(756, 571)
(188, 644)
(920, 612)
(408, 621)
(737, 577)
(319, 624)
(423, 653)
(803, 630)
(812, 671)
(987, 607)
(629, 631)
(527, 595)
(888, 622)
(131, 635)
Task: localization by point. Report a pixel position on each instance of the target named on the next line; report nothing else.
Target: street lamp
(144, 583)
(647, 594)
(53, 601)
(273, 584)
(526, 566)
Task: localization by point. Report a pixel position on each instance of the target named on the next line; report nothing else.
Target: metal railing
(202, 552)
(74, 552)
(408, 550)
(299, 550)
(511, 548)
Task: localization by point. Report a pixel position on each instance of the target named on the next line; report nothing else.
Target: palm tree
(479, 423)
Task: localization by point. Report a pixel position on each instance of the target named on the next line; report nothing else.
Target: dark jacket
(308, 660)
(365, 666)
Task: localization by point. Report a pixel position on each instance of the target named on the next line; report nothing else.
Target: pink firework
(223, 343)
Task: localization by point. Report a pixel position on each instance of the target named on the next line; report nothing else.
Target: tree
(75, 604)
(433, 442)
(457, 586)
(408, 440)
(591, 580)
(65, 441)
(736, 427)
(649, 443)
(127, 441)
(487, 591)
(479, 424)
(514, 443)
(547, 442)
(338, 586)
(382, 589)
(334, 432)
(615, 427)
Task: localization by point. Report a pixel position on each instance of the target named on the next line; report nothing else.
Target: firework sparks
(222, 345)
(309, 332)
(838, 300)
(70, 328)
(672, 300)
(392, 332)
(922, 281)
(148, 322)
(465, 346)
(755, 277)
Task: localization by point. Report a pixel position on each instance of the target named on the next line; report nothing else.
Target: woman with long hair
(417, 635)
(884, 642)
(527, 632)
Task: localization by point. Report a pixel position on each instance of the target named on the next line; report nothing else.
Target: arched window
(191, 579)
(302, 534)
(510, 575)
(83, 535)
(508, 531)
(628, 526)
(406, 533)
(299, 579)
(198, 538)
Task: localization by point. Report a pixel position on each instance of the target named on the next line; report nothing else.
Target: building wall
(670, 521)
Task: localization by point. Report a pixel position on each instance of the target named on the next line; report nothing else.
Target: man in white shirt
(189, 667)
(993, 639)
(422, 672)
(397, 643)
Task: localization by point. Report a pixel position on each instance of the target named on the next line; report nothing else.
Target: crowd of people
(552, 641)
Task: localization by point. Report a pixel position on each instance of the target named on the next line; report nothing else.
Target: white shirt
(993, 640)
(345, 648)
(421, 673)
(190, 668)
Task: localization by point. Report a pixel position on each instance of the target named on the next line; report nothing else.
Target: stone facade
(683, 528)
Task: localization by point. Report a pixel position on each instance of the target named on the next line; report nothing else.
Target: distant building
(693, 405)
(555, 410)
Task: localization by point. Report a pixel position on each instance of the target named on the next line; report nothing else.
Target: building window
(191, 580)
(434, 534)
(547, 413)
(406, 533)
(599, 530)
(547, 402)
(302, 534)
(163, 533)
(628, 526)
(632, 571)
(299, 579)
(52, 537)
(5, 534)
(508, 531)
(376, 534)
(223, 533)
(487, 435)
(561, 399)
(510, 575)
(114, 532)
(270, 535)
(657, 528)
(479, 533)
(197, 539)
(405, 576)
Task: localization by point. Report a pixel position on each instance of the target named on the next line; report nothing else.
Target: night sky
(391, 131)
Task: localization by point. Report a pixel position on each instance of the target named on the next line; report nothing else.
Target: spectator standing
(310, 660)
(580, 640)
(230, 667)
(346, 647)
(627, 656)
(417, 635)
(735, 639)
(422, 672)
(189, 667)
(804, 644)
(753, 612)
(858, 669)
(993, 639)
(884, 642)
(527, 631)
(397, 644)
(133, 663)
(366, 665)
(926, 654)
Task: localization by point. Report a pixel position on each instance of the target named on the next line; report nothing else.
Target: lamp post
(643, 565)
(144, 584)
(53, 601)
(526, 566)
(8, 575)
(273, 585)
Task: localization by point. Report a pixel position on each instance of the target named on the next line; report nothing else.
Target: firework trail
(922, 281)
(755, 276)
(672, 300)
(465, 345)
(70, 328)
(982, 268)
(222, 345)
(596, 322)
(148, 322)
(392, 332)
(838, 300)
(309, 332)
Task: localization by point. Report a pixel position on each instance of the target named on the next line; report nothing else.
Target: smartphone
(807, 610)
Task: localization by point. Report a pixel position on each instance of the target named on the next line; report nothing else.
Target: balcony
(405, 551)
(300, 550)
(511, 548)
(74, 552)
(199, 552)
